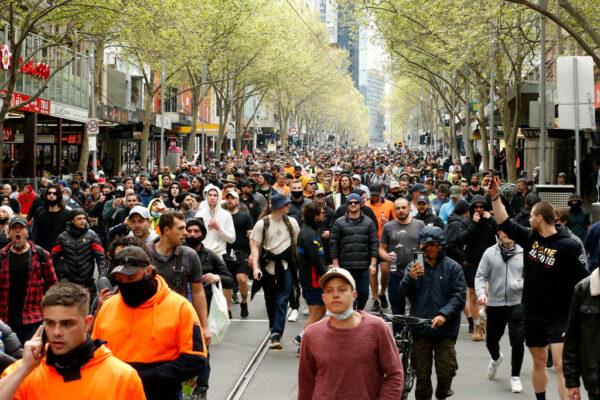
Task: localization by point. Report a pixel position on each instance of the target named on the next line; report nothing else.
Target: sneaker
(515, 385)
(244, 310)
(235, 298)
(305, 311)
(493, 367)
(297, 340)
(477, 333)
(376, 306)
(276, 342)
(384, 301)
(293, 316)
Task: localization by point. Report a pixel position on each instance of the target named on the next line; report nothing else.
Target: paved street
(276, 378)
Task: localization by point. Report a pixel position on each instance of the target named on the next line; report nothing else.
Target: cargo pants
(425, 353)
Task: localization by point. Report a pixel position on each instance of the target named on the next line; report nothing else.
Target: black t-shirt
(48, 225)
(242, 223)
(18, 273)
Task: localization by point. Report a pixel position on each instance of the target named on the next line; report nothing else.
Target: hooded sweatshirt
(161, 339)
(505, 277)
(553, 266)
(216, 240)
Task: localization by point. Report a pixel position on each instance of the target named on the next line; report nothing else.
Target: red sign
(40, 106)
(39, 70)
(73, 138)
(9, 134)
(597, 95)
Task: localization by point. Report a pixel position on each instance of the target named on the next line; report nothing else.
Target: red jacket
(41, 277)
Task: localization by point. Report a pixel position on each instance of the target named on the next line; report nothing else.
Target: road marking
(249, 320)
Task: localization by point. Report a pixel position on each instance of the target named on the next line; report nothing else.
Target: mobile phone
(419, 257)
(44, 338)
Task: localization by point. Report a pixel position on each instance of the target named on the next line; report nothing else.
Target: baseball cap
(356, 176)
(422, 199)
(141, 211)
(394, 184)
(232, 193)
(337, 273)
(562, 174)
(17, 220)
(129, 260)
(319, 192)
(418, 187)
(455, 191)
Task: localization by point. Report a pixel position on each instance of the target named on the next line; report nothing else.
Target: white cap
(232, 193)
(142, 211)
(337, 272)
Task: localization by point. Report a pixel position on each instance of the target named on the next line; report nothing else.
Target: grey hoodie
(505, 279)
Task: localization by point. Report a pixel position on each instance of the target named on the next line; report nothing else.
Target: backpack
(290, 229)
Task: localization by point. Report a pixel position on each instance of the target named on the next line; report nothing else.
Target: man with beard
(518, 200)
(263, 186)
(26, 272)
(298, 201)
(553, 266)
(399, 241)
(51, 220)
(237, 253)
(394, 192)
(213, 271)
(426, 215)
(475, 187)
(140, 225)
(77, 252)
(179, 265)
(343, 190)
(150, 326)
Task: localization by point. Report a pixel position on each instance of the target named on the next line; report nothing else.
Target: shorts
(313, 296)
(239, 265)
(470, 272)
(540, 333)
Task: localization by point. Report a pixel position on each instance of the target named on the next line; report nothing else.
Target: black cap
(246, 182)
(375, 189)
(17, 220)
(129, 260)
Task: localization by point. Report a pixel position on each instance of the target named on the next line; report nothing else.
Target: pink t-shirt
(359, 363)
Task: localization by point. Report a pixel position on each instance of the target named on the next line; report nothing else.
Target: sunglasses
(353, 203)
(51, 194)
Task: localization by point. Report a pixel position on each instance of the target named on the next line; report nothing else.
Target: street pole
(492, 100)
(162, 116)
(92, 62)
(542, 102)
(203, 73)
(467, 132)
(577, 141)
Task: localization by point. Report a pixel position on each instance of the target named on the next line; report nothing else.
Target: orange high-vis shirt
(384, 211)
(103, 377)
(159, 330)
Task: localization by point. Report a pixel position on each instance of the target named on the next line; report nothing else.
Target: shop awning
(209, 129)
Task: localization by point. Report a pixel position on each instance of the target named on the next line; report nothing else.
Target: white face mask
(341, 316)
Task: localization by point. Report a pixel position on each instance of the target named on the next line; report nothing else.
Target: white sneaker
(293, 316)
(515, 384)
(305, 311)
(493, 367)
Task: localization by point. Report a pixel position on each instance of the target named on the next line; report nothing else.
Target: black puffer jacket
(459, 232)
(12, 347)
(484, 234)
(353, 242)
(582, 341)
(75, 254)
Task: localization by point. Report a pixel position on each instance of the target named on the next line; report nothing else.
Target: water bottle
(1, 343)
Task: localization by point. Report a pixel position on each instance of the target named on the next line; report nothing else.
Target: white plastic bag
(218, 315)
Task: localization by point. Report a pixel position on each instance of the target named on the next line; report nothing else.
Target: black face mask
(297, 194)
(193, 242)
(136, 293)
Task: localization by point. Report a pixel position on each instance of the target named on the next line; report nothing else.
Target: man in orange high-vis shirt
(72, 366)
(151, 327)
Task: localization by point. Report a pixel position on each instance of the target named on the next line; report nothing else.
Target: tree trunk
(485, 150)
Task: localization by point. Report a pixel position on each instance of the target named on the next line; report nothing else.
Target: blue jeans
(276, 300)
(397, 298)
(361, 278)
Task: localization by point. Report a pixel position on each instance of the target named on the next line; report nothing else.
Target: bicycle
(404, 342)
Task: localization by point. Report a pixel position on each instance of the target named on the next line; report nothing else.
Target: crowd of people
(113, 277)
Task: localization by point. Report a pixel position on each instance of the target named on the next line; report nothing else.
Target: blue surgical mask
(341, 316)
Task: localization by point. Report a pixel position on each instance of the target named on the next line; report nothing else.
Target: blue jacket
(441, 291)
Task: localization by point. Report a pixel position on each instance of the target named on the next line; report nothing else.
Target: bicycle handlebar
(405, 319)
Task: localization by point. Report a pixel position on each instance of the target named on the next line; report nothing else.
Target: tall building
(328, 11)
(349, 39)
(373, 92)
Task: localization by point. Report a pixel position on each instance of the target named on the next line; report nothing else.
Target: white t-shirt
(278, 238)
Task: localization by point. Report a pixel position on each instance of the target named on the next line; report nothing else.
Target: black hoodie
(484, 233)
(553, 265)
